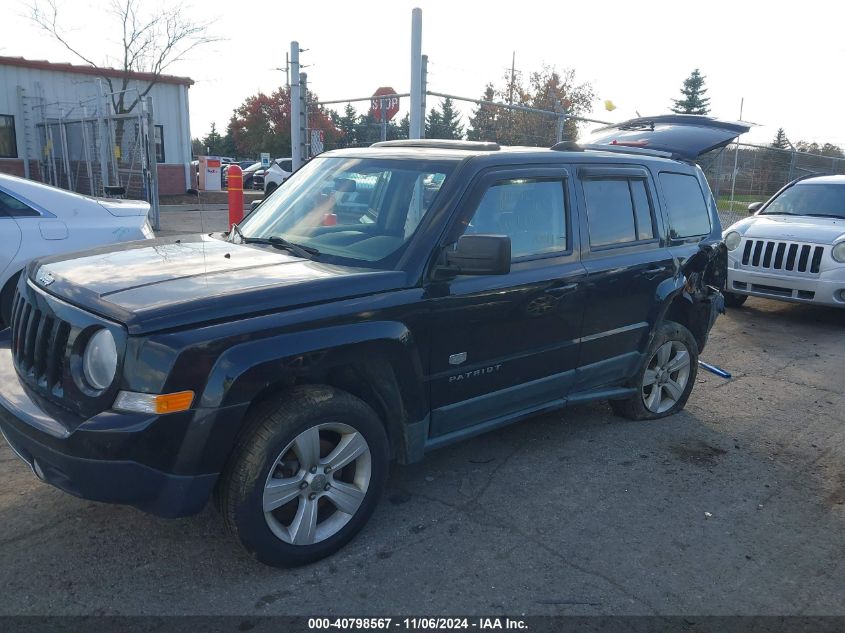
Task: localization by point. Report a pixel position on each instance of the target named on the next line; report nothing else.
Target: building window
(8, 143)
(159, 139)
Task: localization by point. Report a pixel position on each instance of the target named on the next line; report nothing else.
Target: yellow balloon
(609, 106)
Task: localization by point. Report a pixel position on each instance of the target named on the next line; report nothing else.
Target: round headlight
(732, 240)
(99, 362)
(838, 252)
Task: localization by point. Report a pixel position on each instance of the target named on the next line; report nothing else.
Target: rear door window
(687, 208)
(15, 208)
(618, 211)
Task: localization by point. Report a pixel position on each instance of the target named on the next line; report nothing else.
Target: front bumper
(828, 288)
(113, 457)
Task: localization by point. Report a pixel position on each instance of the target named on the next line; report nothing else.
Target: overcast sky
(785, 59)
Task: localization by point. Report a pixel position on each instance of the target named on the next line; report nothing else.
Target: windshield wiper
(826, 215)
(235, 230)
(306, 252)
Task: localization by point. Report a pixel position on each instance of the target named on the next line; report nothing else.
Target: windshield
(810, 199)
(363, 209)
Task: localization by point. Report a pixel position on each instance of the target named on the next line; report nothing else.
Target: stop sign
(384, 101)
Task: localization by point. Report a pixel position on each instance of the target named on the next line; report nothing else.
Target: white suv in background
(279, 171)
(37, 220)
(793, 248)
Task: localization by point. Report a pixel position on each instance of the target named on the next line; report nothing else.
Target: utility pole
(295, 108)
(510, 92)
(513, 72)
(736, 157)
(415, 128)
(382, 112)
(424, 89)
(306, 141)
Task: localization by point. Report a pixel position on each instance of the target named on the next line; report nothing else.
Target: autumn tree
(693, 101)
(550, 89)
(262, 124)
(149, 41)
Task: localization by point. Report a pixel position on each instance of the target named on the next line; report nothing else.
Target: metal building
(58, 124)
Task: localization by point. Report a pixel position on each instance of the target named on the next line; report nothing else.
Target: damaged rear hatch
(684, 136)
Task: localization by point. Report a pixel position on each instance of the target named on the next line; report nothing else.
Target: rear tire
(305, 477)
(733, 300)
(270, 188)
(666, 379)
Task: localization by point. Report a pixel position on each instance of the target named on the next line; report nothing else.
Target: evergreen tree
(404, 127)
(780, 142)
(444, 122)
(694, 101)
(484, 120)
(450, 121)
(212, 143)
(348, 125)
(434, 124)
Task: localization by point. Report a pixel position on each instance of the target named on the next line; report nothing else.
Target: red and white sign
(385, 101)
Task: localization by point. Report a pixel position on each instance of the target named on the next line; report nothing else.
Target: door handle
(653, 271)
(559, 291)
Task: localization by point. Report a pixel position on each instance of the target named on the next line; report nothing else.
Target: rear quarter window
(686, 206)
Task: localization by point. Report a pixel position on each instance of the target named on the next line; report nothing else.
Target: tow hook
(714, 370)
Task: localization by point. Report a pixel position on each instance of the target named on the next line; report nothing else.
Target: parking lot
(735, 506)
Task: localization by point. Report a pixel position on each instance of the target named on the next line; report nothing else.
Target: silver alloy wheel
(666, 376)
(317, 483)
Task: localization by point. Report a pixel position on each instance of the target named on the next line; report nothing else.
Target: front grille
(39, 342)
(785, 256)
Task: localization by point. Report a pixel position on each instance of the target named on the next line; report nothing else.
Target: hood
(124, 208)
(686, 136)
(172, 282)
(791, 228)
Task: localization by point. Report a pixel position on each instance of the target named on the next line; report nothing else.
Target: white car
(279, 171)
(793, 248)
(37, 220)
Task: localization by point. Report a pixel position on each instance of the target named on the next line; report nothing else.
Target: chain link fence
(739, 174)
(742, 173)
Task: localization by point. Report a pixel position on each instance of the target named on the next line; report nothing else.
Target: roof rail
(627, 149)
(433, 143)
(569, 146)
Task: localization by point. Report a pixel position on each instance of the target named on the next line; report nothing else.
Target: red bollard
(235, 176)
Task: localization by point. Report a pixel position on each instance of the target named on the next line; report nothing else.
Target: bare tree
(150, 43)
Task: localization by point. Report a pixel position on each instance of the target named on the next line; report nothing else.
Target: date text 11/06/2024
(413, 624)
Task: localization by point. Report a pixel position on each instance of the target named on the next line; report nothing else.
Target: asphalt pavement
(734, 506)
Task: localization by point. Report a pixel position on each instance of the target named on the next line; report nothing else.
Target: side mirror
(754, 207)
(481, 255)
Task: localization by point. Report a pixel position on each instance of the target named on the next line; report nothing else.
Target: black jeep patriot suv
(383, 302)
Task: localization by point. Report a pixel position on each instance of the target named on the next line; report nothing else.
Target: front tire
(306, 476)
(666, 379)
(270, 188)
(733, 300)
